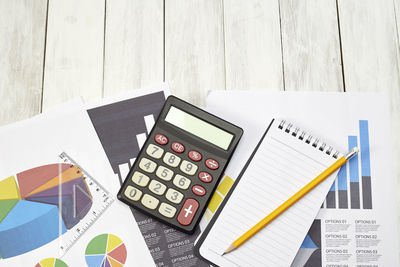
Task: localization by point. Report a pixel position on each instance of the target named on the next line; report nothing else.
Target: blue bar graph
(342, 187)
(354, 178)
(331, 197)
(365, 164)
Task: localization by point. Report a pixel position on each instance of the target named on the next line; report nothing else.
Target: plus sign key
(188, 211)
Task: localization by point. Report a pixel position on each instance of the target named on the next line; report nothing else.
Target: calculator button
(150, 202)
(188, 211)
(133, 193)
(167, 210)
(171, 159)
(177, 147)
(205, 177)
(157, 187)
(140, 179)
(212, 164)
(161, 139)
(147, 165)
(194, 155)
(188, 167)
(164, 173)
(198, 190)
(174, 196)
(154, 151)
(181, 181)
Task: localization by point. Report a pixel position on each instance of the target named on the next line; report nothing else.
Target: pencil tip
(229, 249)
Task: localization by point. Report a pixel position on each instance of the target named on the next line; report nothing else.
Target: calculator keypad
(150, 202)
(154, 151)
(170, 178)
(164, 173)
(157, 187)
(171, 159)
(181, 181)
(140, 179)
(188, 167)
(147, 165)
(174, 196)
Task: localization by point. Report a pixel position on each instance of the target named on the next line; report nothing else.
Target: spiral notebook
(285, 160)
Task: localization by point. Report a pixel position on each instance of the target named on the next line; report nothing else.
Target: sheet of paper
(122, 124)
(282, 165)
(343, 233)
(37, 142)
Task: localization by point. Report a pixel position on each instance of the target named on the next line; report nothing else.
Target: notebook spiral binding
(307, 138)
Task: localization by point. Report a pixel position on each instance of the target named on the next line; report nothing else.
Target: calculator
(180, 165)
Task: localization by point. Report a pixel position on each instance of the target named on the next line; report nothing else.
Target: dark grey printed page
(122, 127)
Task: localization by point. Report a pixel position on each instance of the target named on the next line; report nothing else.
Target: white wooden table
(54, 50)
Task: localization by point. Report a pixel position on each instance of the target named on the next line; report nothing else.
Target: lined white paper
(282, 165)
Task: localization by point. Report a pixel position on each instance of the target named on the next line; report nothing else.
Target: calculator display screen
(199, 127)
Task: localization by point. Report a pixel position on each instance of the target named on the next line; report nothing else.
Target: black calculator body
(180, 165)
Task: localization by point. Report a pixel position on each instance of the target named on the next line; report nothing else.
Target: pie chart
(30, 204)
(106, 250)
(51, 262)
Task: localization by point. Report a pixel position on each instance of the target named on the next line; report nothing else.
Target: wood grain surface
(55, 50)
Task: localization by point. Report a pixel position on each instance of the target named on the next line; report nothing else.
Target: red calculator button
(205, 177)
(177, 147)
(198, 190)
(194, 155)
(188, 211)
(161, 139)
(212, 164)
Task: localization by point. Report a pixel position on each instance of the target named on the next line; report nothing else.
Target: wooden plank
(134, 38)
(194, 48)
(74, 51)
(311, 47)
(22, 31)
(253, 45)
(370, 55)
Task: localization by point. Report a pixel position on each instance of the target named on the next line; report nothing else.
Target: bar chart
(352, 187)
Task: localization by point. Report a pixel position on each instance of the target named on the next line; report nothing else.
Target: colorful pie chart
(106, 250)
(51, 262)
(30, 204)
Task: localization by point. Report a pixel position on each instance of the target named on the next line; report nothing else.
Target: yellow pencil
(278, 211)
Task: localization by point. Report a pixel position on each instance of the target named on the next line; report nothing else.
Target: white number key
(181, 181)
(154, 151)
(188, 167)
(133, 193)
(157, 187)
(147, 165)
(167, 210)
(150, 202)
(164, 173)
(174, 196)
(140, 179)
(171, 159)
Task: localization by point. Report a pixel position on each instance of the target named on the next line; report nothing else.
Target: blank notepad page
(284, 162)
